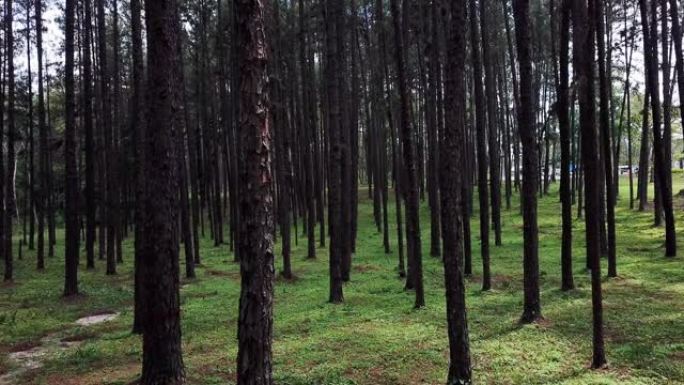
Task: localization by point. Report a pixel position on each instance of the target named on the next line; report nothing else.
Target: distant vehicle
(624, 170)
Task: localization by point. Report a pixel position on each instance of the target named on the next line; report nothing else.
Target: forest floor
(375, 337)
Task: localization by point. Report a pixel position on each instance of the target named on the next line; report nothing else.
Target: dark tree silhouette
(333, 16)
(89, 139)
(71, 244)
(482, 158)
(409, 155)
(255, 325)
(567, 282)
(583, 26)
(451, 181)
(162, 357)
(526, 126)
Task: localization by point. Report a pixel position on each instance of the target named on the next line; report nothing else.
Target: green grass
(376, 337)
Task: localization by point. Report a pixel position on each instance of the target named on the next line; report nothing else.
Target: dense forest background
(368, 191)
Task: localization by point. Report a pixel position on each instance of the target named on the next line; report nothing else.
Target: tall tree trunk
(583, 23)
(70, 159)
(409, 154)
(531, 303)
(451, 188)
(10, 173)
(308, 131)
(334, 12)
(114, 161)
(567, 282)
(255, 326)
(679, 64)
(482, 161)
(645, 150)
(89, 140)
(43, 166)
(431, 118)
(488, 42)
(106, 192)
(30, 148)
(662, 169)
(138, 123)
(162, 357)
(606, 136)
(181, 120)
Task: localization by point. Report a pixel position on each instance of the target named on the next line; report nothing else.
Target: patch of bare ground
(364, 267)
(97, 317)
(127, 374)
(223, 273)
(292, 279)
(678, 356)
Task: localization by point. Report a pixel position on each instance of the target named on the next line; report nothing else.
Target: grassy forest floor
(375, 337)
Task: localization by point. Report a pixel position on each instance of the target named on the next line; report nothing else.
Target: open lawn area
(375, 337)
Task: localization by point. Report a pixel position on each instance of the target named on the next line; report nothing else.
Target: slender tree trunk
(489, 40)
(10, 194)
(282, 139)
(679, 64)
(531, 303)
(567, 282)
(106, 194)
(662, 169)
(482, 161)
(583, 23)
(30, 148)
(431, 118)
(334, 12)
(181, 120)
(89, 140)
(308, 132)
(138, 122)
(409, 154)
(645, 150)
(43, 194)
(606, 136)
(70, 159)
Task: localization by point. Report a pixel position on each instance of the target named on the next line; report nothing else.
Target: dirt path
(24, 361)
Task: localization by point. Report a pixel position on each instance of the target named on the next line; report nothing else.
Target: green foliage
(376, 337)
